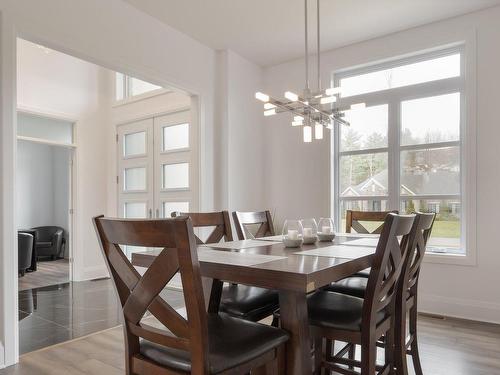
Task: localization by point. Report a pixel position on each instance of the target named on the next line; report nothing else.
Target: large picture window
(404, 151)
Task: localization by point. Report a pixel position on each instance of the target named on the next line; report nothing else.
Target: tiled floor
(58, 313)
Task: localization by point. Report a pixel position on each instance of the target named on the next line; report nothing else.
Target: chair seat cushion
(43, 244)
(248, 302)
(337, 311)
(353, 286)
(232, 342)
(364, 273)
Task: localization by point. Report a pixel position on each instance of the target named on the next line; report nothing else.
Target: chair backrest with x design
(219, 220)
(354, 218)
(141, 294)
(422, 227)
(242, 220)
(387, 266)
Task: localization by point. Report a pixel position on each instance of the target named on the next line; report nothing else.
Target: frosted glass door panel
(134, 144)
(135, 210)
(134, 179)
(175, 137)
(176, 176)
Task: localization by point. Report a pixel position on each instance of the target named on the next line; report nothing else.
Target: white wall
(300, 171)
(240, 134)
(61, 159)
(42, 194)
(35, 185)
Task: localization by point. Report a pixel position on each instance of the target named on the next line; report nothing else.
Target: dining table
(293, 272)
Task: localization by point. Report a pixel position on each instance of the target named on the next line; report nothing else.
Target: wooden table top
(284, 270)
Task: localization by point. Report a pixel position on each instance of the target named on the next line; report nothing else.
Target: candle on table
(308, 232)
(293, 234)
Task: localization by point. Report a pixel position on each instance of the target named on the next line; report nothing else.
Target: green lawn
(443, 229)
(447, 229)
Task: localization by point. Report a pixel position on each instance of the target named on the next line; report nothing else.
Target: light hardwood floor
(448, 346)
(48, 273)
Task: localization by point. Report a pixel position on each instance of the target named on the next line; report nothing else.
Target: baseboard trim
(481, 311)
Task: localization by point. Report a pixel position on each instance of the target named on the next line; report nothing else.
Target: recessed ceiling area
(272, 31)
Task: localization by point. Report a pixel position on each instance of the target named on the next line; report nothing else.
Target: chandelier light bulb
(270, 112)
(291, 96)
(318, 131)
(298, 118)
(307, 132)
(297, 123)
(262, 97)
(269, 106)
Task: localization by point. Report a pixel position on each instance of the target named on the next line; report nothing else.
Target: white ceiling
(271, 31)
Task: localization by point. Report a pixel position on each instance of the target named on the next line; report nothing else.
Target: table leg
(212, 290)
(294, 319)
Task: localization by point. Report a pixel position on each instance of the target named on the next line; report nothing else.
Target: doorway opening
(73, 113)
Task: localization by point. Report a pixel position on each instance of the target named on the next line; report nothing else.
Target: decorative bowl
(326, 237)
(292, 243)
(310, 240)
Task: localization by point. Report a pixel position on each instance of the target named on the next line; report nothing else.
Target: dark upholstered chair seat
(364, 273)
(337, 311)
(353, 286)
(248, 302)
(232, 342)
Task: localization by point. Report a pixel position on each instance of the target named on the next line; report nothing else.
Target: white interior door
(135, 171)
(176, 164)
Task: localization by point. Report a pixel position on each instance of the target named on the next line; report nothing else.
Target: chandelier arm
(286, 107)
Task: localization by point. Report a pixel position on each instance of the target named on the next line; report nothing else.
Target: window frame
(464, 84)
(126, 89)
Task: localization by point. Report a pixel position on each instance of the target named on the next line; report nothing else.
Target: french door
(157, 167)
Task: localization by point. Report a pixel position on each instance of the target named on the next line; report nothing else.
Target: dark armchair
(24, 250)
(49, 241)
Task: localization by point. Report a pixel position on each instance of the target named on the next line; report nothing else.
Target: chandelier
(313, 108)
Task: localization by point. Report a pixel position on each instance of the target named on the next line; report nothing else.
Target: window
(404, 150)
(127, 87)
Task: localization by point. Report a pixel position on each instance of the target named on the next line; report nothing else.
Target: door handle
(150, 213)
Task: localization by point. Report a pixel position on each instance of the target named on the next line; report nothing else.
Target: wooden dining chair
(354, 219)
(406, 303)
(219, 220)
(265, 300)
(356, 321)
(242, 301)
(199, 344)
(262, 219)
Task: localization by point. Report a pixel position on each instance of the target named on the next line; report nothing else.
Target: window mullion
(393, 154)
